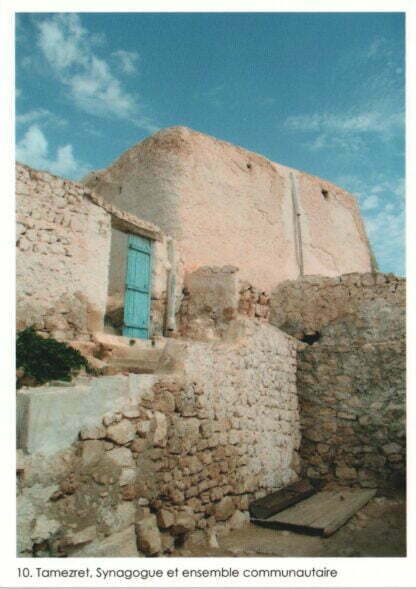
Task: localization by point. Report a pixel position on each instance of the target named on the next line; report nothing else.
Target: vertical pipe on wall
(170, 324)
(297, 225)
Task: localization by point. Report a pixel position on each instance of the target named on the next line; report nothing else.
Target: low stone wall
(179, 452)
(309, 304)
(213, 297)
(352, 401)
(351, 379)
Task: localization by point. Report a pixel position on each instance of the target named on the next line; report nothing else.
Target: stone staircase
(113, 354)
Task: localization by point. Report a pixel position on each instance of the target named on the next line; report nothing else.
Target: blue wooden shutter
(137, 292)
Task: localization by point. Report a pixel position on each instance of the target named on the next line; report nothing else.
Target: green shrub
(45, 359)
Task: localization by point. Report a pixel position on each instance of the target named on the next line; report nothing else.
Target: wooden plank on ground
(321, 514)
(275, 502)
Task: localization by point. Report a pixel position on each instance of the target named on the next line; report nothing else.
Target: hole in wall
(310, 338)
(325, 194)
(179, 541)
(249, 166)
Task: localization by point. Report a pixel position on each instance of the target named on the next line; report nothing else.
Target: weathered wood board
(321, 514)
(275, 502)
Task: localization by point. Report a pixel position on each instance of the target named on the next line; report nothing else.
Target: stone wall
(226, 205)
(351, 379)
(315, 303)
(179, 452)
(63, 245)
(213, 296)
(352, 401)
(65, 268)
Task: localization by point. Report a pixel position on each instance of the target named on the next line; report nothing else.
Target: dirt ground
(378, 529)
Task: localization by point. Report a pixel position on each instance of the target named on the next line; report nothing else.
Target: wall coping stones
(126, 222)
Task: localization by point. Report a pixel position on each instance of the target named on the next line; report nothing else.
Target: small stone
(122, 544)
(96, 363)
(177, 497)
(237, 520)
(184, 523)
(164, 402)
(143, 428)
(44, 528)
(112, 418)
(121, 457)
(224, 509)
(80, 537)
(127, 476)
(212, 539)
(93, 433)
(92, 452)
(122, 432)
(161, 430)
(149, 540)
(392, 448)
(348, 416)
(131, 413)
(139, 445)
(346, 472)
(128, 492)
(103, 478)
(165, 519)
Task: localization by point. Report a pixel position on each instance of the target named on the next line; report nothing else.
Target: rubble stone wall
(352, 401)
(374, 301)
(351, 380)
(63, 242)
(180, 453)
(213, 297)
(68, 245)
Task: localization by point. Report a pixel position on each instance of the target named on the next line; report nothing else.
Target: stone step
(109, 340)
(111, 346)
(141, 362)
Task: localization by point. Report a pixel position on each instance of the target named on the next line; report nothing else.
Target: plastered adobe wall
(226, 205)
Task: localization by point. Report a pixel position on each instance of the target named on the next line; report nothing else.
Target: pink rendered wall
(236, 209)
(225, 205)
(333, 234)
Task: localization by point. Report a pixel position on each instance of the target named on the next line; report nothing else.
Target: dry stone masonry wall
(352, 402)
(182, 452)
(317, 303)
(64, 233)
(351, 379)
(63, 244)
(213, 296)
